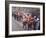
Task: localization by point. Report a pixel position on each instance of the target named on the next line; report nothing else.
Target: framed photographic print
(24, 18)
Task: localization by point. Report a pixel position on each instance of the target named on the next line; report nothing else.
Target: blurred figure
(38, 24)
(24, 22)
(18, 16)
(35, 22)
(29, 22)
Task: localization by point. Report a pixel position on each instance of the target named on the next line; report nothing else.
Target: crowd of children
(29, 22)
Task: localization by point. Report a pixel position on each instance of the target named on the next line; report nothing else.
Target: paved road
(16, 26)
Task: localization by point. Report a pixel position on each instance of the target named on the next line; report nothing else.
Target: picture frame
(9, 9)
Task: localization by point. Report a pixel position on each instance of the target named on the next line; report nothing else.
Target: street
(16, 26)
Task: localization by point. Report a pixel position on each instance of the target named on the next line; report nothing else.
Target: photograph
(24, 19)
